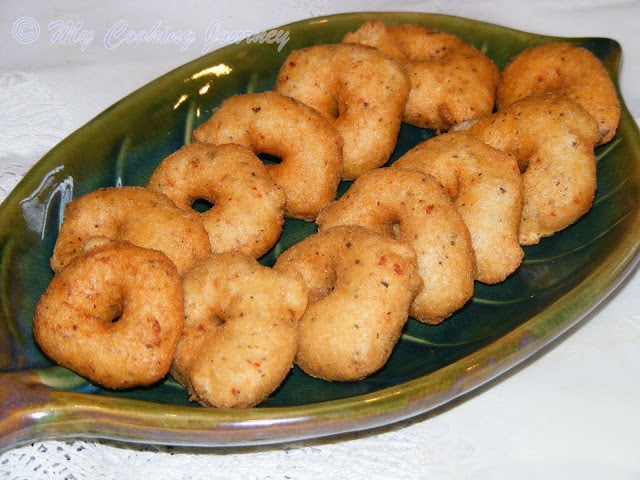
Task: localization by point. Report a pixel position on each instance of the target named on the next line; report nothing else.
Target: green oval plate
(562, 279)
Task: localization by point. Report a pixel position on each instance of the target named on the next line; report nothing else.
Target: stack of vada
(145, 285)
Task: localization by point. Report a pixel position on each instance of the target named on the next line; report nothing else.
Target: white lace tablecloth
(572, 412)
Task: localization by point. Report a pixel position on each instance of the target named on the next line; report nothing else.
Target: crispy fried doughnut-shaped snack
(566, 70)
(359, 88)
(553, 140)
(113, 314)
(240, 333)
(486, 188)
(247, 210)
(361, 285)
(413, 207)
(308, 145)
(136, 214)
(451, 80)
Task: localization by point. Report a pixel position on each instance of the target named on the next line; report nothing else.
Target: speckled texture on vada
(361, 286)
(451, 80)
(113, 314)
(361, 90)
(308, 146)
(136, 214)
(240, 330)
(553, 140)
(565, 70)
(413, 207)
(486, 187)
(247, 206)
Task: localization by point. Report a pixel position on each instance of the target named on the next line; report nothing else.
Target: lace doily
(33, 120)
(331, 458)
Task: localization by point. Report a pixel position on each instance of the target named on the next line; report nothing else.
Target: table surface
(570, 411)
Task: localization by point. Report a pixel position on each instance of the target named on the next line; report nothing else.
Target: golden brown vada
(451, 80)
(361, 90)
(307, 144)
(413, 207)
(565, 70)
(553, 140)
(240, 330)
(361, 286)
(247, 206)
(136, 214)
(486, 188)
(113, 314)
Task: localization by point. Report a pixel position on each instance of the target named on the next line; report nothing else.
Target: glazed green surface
(560, 281)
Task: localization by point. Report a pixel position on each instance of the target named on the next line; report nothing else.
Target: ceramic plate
(561, 281)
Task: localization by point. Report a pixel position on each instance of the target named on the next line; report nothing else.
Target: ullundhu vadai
(553, 140)
(246, 211)
(136, 214)
(240, 330)
(413, 207)
(451, 80)
(486, 188)
(566, 70)
(362, 91)
(361, 285)
(113, 314)
(307, 145)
